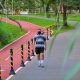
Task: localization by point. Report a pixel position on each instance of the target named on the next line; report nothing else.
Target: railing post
(32, 48)
(22, 56)
(0, 73)
(12, 72)
(29, 59)
(32, 41)
(50, 32)
(47, 34)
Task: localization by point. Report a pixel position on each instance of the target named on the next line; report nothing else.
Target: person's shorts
(39, 50)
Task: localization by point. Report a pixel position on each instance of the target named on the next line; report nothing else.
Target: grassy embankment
(42, 22)
(9, 33)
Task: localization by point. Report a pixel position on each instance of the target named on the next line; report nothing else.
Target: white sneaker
(42, 66)
(39, 65)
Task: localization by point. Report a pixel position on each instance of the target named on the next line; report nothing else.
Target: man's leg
(38, 55)
(38, 58)
(42, 57)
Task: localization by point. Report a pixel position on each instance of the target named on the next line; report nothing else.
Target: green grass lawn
(72, 17)
(40, 22)
(37, 14)
(13, 32)
(43, 23)
(9, 33)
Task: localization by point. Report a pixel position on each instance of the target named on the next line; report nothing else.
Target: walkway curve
(53, 63)
(4, 53)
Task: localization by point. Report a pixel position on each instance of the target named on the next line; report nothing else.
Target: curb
(9, 78)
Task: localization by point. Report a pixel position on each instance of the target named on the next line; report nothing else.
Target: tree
(76, 4)
(64, 8)
(45, 4)
(65, 15)
(2, 2)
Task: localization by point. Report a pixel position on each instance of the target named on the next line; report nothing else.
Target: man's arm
(45, 42)
(34, 43)
(45, 45)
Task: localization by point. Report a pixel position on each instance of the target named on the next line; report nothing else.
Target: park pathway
(54, 57)
(5, 52)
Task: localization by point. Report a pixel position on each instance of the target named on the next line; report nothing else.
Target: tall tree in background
(76, 5)
(65, 15)
(2, 1)
(64, 7)
(2, 4)
(1, 8)
(45, 4)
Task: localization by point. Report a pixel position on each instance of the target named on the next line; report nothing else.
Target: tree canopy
(43, 6)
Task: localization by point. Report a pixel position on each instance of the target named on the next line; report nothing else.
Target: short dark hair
(39, 32)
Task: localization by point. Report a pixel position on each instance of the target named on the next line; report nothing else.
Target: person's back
(40, 45)
(40, 39)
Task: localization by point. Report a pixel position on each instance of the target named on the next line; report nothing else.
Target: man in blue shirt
(40, 46)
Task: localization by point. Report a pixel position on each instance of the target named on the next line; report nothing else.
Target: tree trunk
(47, 11)
(65, 16)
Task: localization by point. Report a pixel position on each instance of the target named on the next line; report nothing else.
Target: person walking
(40, 46)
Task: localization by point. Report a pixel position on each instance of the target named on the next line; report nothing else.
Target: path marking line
(2, 70)
(17, 70)
(7, 58)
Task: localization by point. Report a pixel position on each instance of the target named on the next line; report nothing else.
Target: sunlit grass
(71, 17)
(74, 17)
(40, 22)
(9, 33)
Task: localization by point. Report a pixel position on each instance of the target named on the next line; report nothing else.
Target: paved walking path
(53, 58)
(78, 26)
(5, 53)
(53, 61)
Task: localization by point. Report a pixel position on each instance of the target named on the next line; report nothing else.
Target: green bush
(3, 37)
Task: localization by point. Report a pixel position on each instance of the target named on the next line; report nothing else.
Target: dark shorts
(39, 50)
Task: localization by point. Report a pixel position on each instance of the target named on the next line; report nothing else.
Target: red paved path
(4, 54)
